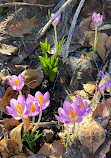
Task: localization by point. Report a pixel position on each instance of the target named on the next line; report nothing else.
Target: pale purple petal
(67, 106)
(21, 101)
(60, 119)
(55, 22)
(44, 106)
(46, 97)
(37, 94)
(88, 111)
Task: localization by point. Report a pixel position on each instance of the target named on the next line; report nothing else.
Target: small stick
(21, 3)
(44, 29)
(107, 54)
(72, 28)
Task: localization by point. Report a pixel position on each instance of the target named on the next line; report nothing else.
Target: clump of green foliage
(50, 65)
(30, 139)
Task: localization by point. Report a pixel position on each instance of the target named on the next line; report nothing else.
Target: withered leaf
(8, 49)
(5, 101)
(103, 110)
(10, 123)
(15, 134)
(24, 26)
(56, 149)
(33, 77)
(8, 149)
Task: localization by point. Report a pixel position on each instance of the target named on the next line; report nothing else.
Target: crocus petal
(62, 113)
(21, 79)
(9, 110)
(21, 100)
(55, 22)
(88, 111)
(44, 106)
(37, 94)
(59, 118)
(67, 106)
(13, 104)
(46, 97)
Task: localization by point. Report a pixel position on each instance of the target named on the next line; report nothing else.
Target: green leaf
(52, 60)
(44, 65)
(52, 74)
(44, 50)
(56, 62)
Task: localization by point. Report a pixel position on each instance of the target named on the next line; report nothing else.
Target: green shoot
(30, 139)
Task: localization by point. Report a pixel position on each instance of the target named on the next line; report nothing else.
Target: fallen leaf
(8, 149)
(5, 101)
(15, 134)
(89, 87)
(33, 77)
(19, 156)
(24, 26)
(108, 42)
(101, 48)
(56, 149)
(10, 123)
(103, 110)
(8, 49)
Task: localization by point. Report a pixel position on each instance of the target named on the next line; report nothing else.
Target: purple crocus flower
(108, 84)
(17, 83)
(104, 156)
(102, 74)
(83, 106)
(32, 106)
(55, 22)
(97, 18)
(69, 114)
(17, 108)
(102, 88)
(43, 100)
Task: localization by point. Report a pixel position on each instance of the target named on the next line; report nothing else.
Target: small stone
(37, 156)
(91, 134)
(48, 134)
(76, 62)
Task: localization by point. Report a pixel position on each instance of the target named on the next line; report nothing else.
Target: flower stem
(95, 40)
(24, 126)
(33, 120)
(56, 43)
(40, 115)
(20, 92)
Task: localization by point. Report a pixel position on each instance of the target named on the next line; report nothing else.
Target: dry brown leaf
(8, 49)
(89, 87)
(5, 101)
(103, 110)
(10, 123)
(8, 149)
(33, 77)
(108, 42)
(24, 26)
(56, 149)
(19, 156)
(15, 134)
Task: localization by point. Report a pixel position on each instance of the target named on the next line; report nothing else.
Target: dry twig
(72, 28)
(21, 3)
(44, 29)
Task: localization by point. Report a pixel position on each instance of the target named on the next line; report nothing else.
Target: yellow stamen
(81, 105)
(73, 114)
(19, 109)
(40, 100)
(96, 16)
(16, 82)
(33, 108)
